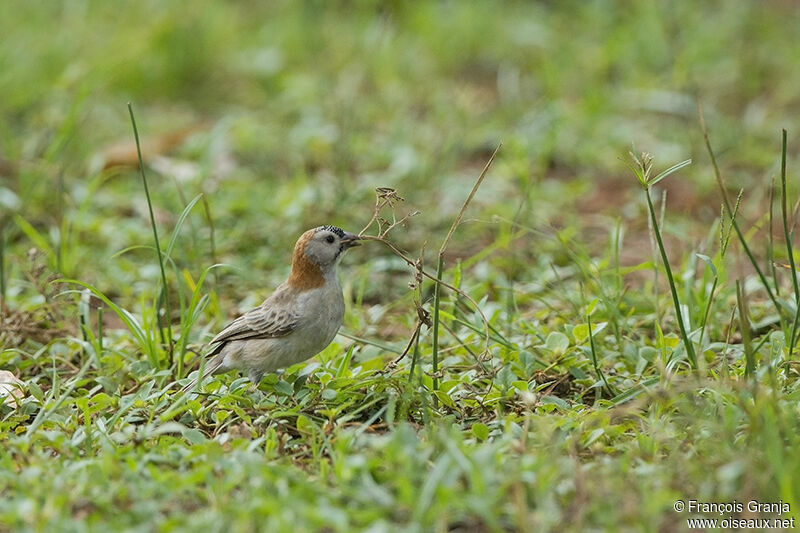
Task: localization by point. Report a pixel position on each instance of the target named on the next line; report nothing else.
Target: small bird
(297, 321)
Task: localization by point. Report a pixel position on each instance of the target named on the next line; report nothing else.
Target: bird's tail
(211, 368)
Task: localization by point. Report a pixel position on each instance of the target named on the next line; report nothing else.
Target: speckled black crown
(333, 229)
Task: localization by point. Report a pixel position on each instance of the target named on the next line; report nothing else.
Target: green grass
(640, 352)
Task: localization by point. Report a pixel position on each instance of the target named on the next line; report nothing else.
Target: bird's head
(317, 253)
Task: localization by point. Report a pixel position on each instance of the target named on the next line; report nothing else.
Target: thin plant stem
(410, 344)
(439, 281)
(100, 329)
(771, 241)
(788, 237)
(414, 358)
(458, 339)
(435, 342)
(466, 203)
(671, 282)
(744, 327)
(653, 248)
(724, 240)
(597, 370)
(83, 311)
(707, 311)
(212, 239)
(440, 267)
(728, 208)
(2, 266)
(155, 235)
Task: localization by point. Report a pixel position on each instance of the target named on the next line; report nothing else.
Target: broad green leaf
(554, 400)
(557, 342)
(36, 391)
(329, 394)
(284, 388)
(195, 436)
(648, 353)
(444, 398)
(480, 430)
(304, 425)
(577, 373)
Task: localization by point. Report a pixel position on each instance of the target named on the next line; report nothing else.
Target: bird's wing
(263, 322)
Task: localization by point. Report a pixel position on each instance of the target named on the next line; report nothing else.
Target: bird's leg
(255, 378)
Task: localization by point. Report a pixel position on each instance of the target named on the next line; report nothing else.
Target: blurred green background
(287, 114)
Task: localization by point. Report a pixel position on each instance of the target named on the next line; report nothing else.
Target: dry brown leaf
(124, 154)
(11, 388)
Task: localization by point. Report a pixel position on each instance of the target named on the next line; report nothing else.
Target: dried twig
(466, 203)
(408, 346)
(388, 197)
(433, 278)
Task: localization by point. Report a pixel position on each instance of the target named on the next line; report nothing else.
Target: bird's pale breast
(320, 311)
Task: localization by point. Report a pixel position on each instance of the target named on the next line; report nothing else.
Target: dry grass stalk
(388, 197)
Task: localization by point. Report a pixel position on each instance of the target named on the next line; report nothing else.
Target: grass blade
(2, 266)
(771, 241)
(593, 350)
(744, 327)
(787, 235)
(671, 282)
(435, 342)
(190, 316)
(179, 224)
(729, 209)
(669, 171)
(440, 269)
(168, 317)
(125, 316)
(37, 239)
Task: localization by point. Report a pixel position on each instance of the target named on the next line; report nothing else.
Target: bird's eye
(330, 239)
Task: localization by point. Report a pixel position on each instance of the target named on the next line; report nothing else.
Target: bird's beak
(350, 239)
